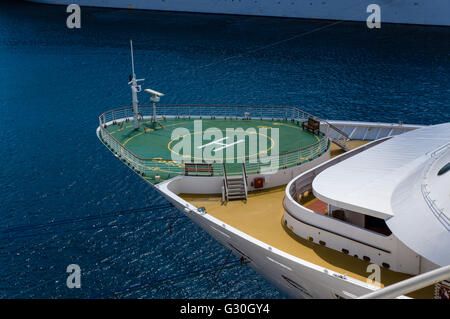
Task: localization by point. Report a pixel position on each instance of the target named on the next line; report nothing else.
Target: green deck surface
(157, 143)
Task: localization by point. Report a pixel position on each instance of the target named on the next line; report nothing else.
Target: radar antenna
(154, 99)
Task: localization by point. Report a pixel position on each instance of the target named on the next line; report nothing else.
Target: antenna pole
(132, 57)
(134, 90)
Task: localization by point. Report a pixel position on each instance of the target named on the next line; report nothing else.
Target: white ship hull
(295, 277)
(306, 279)
(422, 12)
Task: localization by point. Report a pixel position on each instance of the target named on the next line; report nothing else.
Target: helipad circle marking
(227, 158)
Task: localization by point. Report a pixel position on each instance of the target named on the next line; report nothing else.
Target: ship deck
(262, 218)
(162, 149)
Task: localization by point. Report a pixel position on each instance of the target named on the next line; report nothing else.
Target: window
(377, 225)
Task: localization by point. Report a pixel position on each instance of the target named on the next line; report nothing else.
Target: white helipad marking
(227, 145)
(218, 142)
(214, 142)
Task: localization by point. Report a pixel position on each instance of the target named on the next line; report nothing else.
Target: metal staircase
(313, 124)
(340, 142)
(337, 136)
(234, 187)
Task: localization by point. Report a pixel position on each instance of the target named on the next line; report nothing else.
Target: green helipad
(231, 141)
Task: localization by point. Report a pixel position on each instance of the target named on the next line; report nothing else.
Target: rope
(64, 275)
(287, 39)
(94, 227)
(270, 45)
(267, 46)
(142, 286)
(92, 217)
(218, 274)
(31, 288)
(169, 279)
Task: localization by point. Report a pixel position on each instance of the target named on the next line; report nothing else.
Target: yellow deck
(262, 218)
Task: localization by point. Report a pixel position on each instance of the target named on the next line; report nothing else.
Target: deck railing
(439, 213)
(151, 167)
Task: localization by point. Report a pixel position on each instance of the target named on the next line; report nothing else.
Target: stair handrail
(245, 173)
(335, 128)
(244, 176)
(342, 135)
(225, 180)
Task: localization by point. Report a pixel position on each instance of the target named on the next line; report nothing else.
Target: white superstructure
(386, 204)
(392, 181)
(425, 12)
(397, 181)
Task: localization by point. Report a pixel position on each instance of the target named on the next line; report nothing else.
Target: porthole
(385, 265)
(365, 258)
(322, 243)
(345, 251)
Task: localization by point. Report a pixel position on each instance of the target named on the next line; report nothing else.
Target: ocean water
(66, 200)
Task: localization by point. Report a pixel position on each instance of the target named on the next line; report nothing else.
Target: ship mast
(135, 89)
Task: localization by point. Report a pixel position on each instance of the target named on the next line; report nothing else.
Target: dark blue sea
(65, 199)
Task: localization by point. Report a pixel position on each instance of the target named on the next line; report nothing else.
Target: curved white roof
(422, 210)
(387, 181)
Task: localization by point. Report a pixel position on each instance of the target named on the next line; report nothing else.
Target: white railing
(369, 131)
(149, 167)
(439, 213)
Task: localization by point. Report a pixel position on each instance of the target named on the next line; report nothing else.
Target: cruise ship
(320, 208)
(422, 12)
